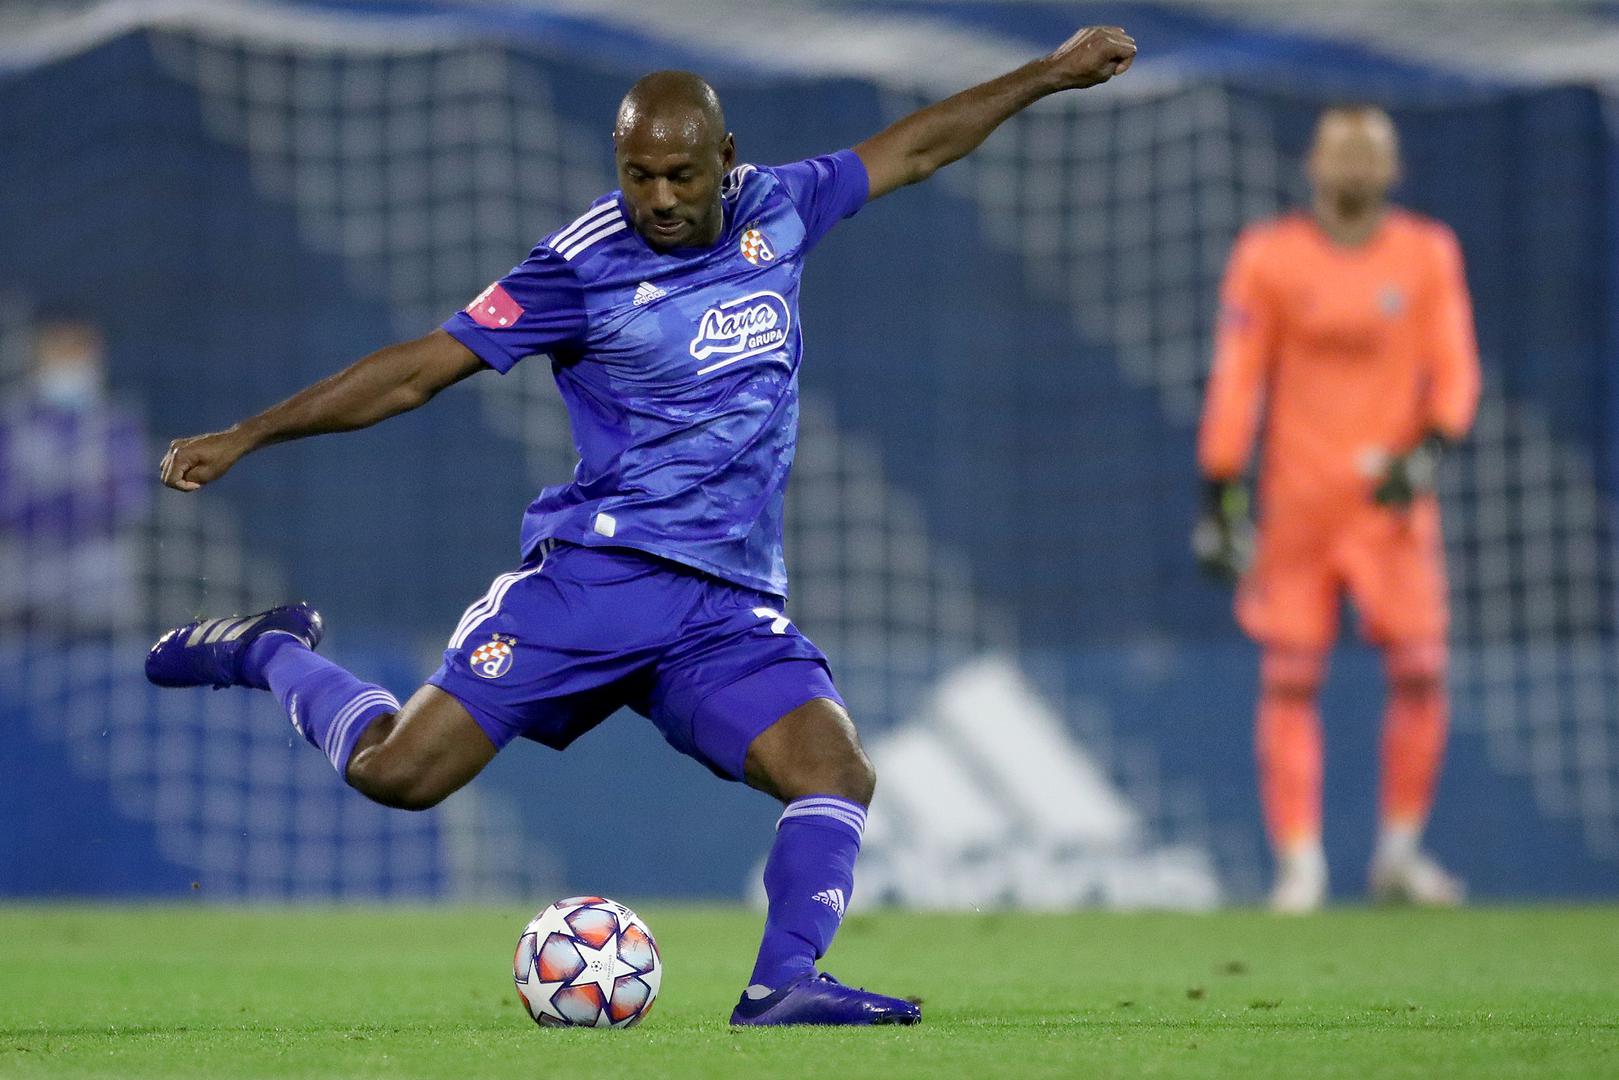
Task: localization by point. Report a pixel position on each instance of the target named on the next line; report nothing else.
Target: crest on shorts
(755, 248)
(493, 658)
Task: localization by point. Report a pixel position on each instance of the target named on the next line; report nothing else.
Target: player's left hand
(191, 463)
(1410, 475)
(1093, 55)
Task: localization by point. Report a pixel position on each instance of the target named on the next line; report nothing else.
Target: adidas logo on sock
(832, 898)
(646, 292)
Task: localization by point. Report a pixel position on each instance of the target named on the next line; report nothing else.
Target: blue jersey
(679, 369)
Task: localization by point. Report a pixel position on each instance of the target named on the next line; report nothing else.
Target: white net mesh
(429, 166)
(223, 778)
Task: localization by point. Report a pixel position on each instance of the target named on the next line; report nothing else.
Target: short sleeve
(537, 308)
(824, 190)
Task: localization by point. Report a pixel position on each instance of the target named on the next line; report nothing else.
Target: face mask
(70, 386)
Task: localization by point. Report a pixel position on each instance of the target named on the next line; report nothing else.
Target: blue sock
(809, 878)
(329, 706)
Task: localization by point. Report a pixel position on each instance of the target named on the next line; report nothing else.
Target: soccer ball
(587, 962)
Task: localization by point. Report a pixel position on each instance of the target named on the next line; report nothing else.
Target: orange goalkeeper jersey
(1350, 354)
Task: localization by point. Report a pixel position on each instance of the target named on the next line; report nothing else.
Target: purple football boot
(818, 998)
(208, 652)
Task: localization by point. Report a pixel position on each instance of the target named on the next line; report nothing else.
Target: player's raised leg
(415, 758)
(1414, 731)
(1288, 746)
(409, 756)
(811, 760)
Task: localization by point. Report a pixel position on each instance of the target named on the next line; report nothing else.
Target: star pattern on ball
(603, 967)
(586, 961)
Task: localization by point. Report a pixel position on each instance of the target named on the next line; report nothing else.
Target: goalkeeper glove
(1410, 475)
(1223, 539)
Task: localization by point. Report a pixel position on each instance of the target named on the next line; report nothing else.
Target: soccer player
(1349, 327)
(653, 580)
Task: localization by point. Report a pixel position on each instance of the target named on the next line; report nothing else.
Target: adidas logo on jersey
(832, 898)
(646, 292)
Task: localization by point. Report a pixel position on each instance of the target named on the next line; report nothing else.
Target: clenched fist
(191, 463)
(1093, 55)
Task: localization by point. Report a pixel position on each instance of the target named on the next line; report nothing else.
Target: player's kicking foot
(820, 999)
(208, 652)
(1301, 883)
(1415, 879)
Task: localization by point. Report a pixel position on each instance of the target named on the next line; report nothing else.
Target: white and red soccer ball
(587, 962)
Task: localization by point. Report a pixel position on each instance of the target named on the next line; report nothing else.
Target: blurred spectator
(75, 484)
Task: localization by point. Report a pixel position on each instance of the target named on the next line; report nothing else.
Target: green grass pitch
(400, 993)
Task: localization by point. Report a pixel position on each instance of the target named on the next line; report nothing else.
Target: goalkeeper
(1348, 329)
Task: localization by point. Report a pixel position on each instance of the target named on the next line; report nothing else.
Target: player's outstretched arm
(916, 147)
(386, 383)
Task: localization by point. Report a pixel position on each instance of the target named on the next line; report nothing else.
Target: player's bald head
(1361, 126)
(672, 153)
(1355, 156)
(672, 109)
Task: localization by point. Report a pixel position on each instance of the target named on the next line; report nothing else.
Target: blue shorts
(561, 644)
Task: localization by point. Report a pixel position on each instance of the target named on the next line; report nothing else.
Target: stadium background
(994, 487)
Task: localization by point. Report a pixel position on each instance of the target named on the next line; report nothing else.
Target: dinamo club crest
(493, 658)
(756, 249)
